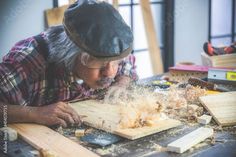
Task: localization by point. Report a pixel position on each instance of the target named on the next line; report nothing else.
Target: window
(131, 12)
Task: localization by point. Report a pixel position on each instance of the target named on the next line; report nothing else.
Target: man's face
(96, 74)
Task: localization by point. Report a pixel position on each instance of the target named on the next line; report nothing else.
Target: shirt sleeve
(17, 70)
(128, 68)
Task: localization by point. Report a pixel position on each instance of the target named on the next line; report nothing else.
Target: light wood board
(55, 16)
(184, 143)
(153, 43)
(44, 138)
(107, 117)
(222, 107)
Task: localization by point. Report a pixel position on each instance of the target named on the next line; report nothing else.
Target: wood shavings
(79, 132)
(138, 107)
(48, 153)
(159, 148)
(194, 111)
(141, 107)
(9, 133)
(142, 112)
(193, 93)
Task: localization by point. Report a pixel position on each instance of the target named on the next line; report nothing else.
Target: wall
(191, 29)
(20, 19)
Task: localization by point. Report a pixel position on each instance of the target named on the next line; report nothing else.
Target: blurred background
(182, 26)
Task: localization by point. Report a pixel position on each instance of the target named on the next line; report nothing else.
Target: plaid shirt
(26, 78)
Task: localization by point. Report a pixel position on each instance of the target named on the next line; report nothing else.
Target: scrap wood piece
(44, 138)
(79, 132)
(204, 119)
(222, 107)
(9, 133)
(189, 140)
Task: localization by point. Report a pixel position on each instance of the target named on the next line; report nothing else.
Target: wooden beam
(55, 16)
(45, 139)
(115, 4)
(153, 44)
(189, 140)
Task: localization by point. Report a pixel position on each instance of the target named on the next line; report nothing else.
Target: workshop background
(182, 26)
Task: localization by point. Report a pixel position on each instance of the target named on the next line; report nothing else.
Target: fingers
(66, 117)
(60, 122)
(69, 110)
(69, 114)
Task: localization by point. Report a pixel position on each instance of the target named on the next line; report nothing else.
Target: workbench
(223, 144)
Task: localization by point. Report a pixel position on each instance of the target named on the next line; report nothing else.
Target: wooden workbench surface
(224, 144)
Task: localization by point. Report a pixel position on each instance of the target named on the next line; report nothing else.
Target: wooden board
(55, 16)
(107, 117)
(189, 140)
(153, 44)
(44, 138)
(222, 107)
(226, 60)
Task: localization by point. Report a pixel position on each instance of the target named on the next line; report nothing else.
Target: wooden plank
(226, 60)
(189, 140)
(44, 138)
(55, 16)
(153, 44)
(107, 117)
(222, 107)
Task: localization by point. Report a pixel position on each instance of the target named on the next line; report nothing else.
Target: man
(90, 51)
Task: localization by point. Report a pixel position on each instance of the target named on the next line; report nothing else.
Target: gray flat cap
(98, 29)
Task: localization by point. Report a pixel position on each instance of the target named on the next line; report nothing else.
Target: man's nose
(108, 70)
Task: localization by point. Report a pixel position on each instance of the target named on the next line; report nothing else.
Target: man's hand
(56, 114)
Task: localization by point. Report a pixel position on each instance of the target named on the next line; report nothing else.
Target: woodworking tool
(161, 84)
(224, 76)
(208, 85)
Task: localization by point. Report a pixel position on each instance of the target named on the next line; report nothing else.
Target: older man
(40, 74)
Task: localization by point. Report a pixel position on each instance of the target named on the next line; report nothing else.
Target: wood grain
(153, 43)
(44, 138)
(184, 143)
(227, 60)
(107, 117)
(222, 107)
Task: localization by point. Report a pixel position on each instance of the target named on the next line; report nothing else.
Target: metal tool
(208, 85)
(224, 76)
